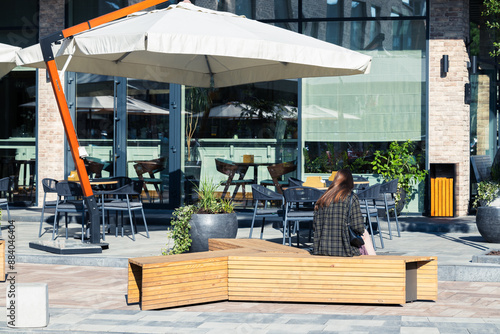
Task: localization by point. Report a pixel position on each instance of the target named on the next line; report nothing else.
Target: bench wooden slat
(347, 299)
(255, 244)
(184, 278)
(388, 281)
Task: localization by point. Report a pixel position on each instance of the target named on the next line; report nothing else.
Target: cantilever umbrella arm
(48, 57)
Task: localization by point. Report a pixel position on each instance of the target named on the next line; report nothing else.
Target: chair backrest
(294, 182)
(69, 188)
(261, 193)
(5, 184)
(122, 180)
(277, 170)
(93, 167)
(49, 185)
(481, 166)
(370, 193)
(151, 166)
(226, 167)
(132, 188)
(390, 187)
(302, 194)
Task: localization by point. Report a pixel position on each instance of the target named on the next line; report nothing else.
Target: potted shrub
(400, 162)
(210, 217)
(487, 203)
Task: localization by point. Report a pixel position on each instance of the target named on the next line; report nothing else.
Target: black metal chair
(69, 200)
(367, 198)
(298, 208)
(294, 182)
(5, 187)
(49, 186)
(263, 195)
(127, 199)
(387, 201)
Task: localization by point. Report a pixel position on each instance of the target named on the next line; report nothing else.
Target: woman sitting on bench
(331, 234)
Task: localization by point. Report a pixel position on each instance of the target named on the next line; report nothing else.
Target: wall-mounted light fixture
(444, 65)
(472, 65)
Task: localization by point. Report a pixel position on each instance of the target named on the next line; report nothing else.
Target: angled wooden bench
(258, 270)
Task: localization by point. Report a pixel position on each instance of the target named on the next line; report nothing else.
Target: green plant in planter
(208, 203)
(487, 191)
(400, 162)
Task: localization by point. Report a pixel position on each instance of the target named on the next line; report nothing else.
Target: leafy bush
(400, 162)
(487, 191)
(208, 203)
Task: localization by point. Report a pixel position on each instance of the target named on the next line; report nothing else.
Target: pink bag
(367, 248)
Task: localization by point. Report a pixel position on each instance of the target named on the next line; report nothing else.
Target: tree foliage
(492, 14)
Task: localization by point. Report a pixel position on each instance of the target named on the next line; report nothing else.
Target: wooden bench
(258, 270)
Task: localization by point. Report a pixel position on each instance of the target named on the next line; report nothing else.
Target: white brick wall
(449, 116)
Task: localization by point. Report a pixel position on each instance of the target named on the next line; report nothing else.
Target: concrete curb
(69, 260)
(483, 258)
(472, 273)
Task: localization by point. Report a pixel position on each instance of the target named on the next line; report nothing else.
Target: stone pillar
(50, 161)
(449, 125)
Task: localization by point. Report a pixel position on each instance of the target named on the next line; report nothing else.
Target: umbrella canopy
(7, 58)
(195, 46)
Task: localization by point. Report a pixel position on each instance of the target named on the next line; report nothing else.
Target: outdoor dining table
(255, 166)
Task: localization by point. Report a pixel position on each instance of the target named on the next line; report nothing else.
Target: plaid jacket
(331, 236)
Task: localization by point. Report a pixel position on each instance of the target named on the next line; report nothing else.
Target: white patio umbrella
(195, 46)
(187, 45)
(7, 58)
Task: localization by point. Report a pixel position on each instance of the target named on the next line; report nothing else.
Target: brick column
(449, 126)
(50, 159)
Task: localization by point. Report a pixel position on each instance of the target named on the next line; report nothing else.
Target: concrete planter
(488, 223)
(206, 226)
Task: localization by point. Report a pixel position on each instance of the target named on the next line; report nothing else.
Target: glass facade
(350, 117)
(19, 27)
(322, 123)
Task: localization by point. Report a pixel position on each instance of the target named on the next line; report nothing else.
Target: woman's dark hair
(340, 188)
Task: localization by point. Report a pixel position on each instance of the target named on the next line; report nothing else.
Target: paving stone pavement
(92, 299)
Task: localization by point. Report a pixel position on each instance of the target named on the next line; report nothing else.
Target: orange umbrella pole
(73, 144)
(48, 55)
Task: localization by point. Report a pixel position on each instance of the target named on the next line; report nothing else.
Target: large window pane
(17, 133)
(370, 35)
(148, 137)
(258, 119)
(256, 9)
(341, 8)
(95, 105)
(345, 119)
(79, 11)
(19, 22)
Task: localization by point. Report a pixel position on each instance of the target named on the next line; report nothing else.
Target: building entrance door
(124, 126)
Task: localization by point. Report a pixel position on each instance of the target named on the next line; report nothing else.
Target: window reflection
(257, 119)
(17, 133)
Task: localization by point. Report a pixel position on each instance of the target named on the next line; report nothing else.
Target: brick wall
(448, 114)
(50, 129)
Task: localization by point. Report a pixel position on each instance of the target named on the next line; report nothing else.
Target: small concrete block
(27, 305)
